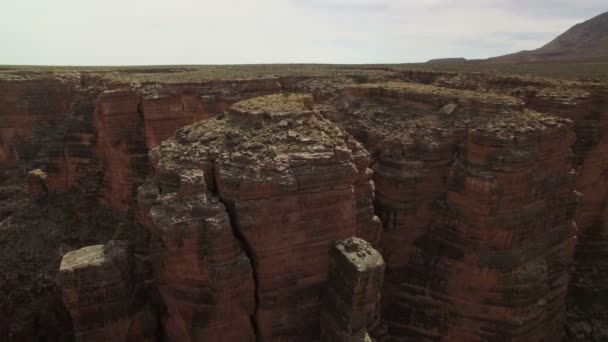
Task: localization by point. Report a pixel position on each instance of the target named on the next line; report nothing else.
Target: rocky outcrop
(496, 264)
(292, 183)
(204, 277)
(414, 144)
(352, 297)
(36, 182)
(482, 251)
(586, 105)
(102, 295)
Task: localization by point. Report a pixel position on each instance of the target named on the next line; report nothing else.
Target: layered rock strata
(99, 289)
(291, 182)
(121, 146)
(586, 104)
(484, 253)
(204, 278)
(413, 140)
(352, 297)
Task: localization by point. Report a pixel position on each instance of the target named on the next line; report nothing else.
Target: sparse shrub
(361, 79)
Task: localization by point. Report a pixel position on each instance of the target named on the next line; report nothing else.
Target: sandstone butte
(314, 204)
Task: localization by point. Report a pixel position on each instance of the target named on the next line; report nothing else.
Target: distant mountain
(583, 42)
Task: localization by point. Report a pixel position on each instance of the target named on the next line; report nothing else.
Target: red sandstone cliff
(473, 189)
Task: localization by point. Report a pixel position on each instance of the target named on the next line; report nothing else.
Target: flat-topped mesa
(480, 102)
(293, 182)
(514, 166)
(352, 297)
(101, 294)
(275, 107)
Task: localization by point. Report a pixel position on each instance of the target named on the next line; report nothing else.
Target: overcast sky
(146, 32)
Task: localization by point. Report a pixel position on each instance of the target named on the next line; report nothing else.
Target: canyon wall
(483, 253)
(485, 196)
(586, 105)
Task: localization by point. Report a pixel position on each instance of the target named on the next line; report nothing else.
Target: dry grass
(456, 94)
(276, 103)
(586, 71)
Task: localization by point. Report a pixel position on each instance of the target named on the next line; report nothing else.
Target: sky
(152, 32)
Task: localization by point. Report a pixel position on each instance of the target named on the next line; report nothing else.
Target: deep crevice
(140, 108)
(247, 249)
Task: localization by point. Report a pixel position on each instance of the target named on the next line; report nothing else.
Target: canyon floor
(455, 202)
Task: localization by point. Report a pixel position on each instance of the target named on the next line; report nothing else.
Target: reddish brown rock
(478, 238)
(503, 249)
(586, 104)
(99, 290)
(414, 145)
(289, 179)
(164, 114)
(353, 289)
(36, 182)
(121, 147)
(204, 278)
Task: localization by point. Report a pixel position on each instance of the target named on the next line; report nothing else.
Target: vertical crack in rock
(249, 252)
(288, 179)
(247, 249)
(140, 108)
(204, 278)
(121, 146)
